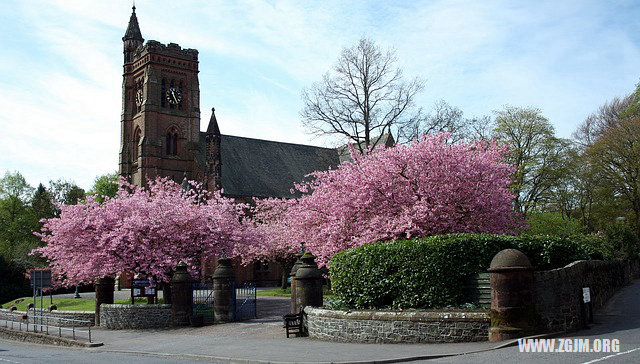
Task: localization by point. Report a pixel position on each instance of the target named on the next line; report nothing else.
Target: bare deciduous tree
(362, 97)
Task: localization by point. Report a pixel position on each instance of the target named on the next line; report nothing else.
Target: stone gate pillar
(223, 279)
(292, 275)
(104, 294)
(512, 310)
(308, 283)
(181, 295)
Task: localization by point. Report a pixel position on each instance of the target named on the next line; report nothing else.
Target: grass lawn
(64, 304)
(279, 292)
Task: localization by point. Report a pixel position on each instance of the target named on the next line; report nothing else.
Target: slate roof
(385, 140)
(264, 168)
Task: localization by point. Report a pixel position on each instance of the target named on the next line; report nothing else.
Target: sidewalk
(264, 340)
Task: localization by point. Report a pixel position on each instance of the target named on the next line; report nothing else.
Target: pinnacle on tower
(213, 128)
(133, 30)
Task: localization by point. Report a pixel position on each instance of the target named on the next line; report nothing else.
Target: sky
(61, 65)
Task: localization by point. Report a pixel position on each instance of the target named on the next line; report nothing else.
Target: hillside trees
(615, 157)
(537, 155)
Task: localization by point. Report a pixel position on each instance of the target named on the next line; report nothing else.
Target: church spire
(133, 30)
(213, 128)
(132, 37)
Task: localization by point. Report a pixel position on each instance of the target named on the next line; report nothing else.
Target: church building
(160, 135)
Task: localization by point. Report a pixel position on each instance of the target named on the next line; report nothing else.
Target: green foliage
(104, 185)
(66, 304)
(12, 281)
(14, 185)
(623, 240)
(279, 292)
(17, 223)
(42, 203)
(553, 223)
(428, 272)
(66, 192)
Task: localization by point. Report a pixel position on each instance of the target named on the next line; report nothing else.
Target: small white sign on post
(586, 295)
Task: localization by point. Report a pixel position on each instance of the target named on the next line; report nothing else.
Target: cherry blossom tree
(142, 230)
(428, 187)
(272, 221)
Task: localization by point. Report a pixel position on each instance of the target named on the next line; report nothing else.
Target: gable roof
(264, 168)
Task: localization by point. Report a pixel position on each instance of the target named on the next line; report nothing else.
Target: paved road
(620, 319)
(264, 339)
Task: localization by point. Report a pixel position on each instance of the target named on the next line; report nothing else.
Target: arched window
(163, 93)
(136, 143)
(168, 144)
(174, 145)
(171, 142)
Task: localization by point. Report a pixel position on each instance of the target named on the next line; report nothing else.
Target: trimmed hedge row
(428, 272)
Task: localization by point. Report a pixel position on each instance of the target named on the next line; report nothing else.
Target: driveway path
(263, 340)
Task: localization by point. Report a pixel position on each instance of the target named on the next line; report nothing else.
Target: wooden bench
(293, 324)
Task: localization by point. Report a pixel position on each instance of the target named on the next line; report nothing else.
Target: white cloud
(60, 90)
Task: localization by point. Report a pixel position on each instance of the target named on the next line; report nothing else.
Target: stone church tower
(160, 124)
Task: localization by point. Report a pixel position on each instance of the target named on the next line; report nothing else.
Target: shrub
(623, 240)
(13, 283)
(553, 223)
(428, 272)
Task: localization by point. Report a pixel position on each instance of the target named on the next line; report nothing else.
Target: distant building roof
(263, 168)
(385, 140)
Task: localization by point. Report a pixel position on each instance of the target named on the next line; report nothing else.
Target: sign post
(40, 278)
(587, 308)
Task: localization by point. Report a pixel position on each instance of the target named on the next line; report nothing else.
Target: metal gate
(203, 301)
(244, 301)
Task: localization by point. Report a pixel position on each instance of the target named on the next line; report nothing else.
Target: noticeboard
(41, 278)
(143, 288)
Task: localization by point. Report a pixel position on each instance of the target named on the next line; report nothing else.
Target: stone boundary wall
(55, 315)
(397, 326)
(557, 293)
(120, 317)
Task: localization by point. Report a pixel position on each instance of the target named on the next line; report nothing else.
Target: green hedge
(428, 272)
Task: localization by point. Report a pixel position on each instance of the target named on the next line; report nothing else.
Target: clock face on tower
(174, 96)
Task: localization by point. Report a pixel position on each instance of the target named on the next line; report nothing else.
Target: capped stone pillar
(181, 295)
(292, 275)
(104, 294)
(308, 283)
(223, 279)
(512, 310)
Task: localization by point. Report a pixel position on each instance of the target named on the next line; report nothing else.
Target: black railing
(45, 323)
(244, 301)
(203, 301)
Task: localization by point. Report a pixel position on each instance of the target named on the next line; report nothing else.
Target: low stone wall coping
(433, 326)
(127, 316)
(416, 316)
(142, 306)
